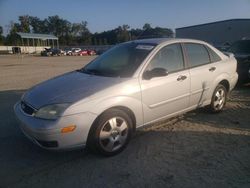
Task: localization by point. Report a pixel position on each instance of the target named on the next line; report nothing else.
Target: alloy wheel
(113, 134)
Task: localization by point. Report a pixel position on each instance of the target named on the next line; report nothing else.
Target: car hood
(68, 88)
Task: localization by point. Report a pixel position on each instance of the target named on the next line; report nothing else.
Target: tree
(1, 30)
(1, 35)
(146, 26)
(81, 33)
(157, 32)
(24, 23)
(105, 42)
(37, 25)
(12, 38)
(162, 32)
(123, 33)
(94, 41)
(85, 33)
(78, 33)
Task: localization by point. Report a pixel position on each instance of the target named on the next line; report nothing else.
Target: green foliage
(123, 33)
(1, 35)
(146, 26)
(78, 33)
(24, 23)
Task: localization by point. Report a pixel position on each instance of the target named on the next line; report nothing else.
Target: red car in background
(91, 52)
(86, 52)
(83, 52)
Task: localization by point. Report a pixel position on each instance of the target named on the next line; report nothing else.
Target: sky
(103, 15)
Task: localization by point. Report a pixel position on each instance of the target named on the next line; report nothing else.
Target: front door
(166, 95)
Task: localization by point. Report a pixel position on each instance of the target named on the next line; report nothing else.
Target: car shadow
(235, 115)
(169, 154)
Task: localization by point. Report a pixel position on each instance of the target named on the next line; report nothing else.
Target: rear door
(203, 70)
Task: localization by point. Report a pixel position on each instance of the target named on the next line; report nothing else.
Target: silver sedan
(131, 85)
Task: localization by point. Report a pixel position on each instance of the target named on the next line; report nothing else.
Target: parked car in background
(91, 52)
(87, 52)
(241, 51)
(56, 52)
(83, 53)
(46, 52)
(63, 52)
(75, 51)
(68, 51)
(131, 85)
(52, 52)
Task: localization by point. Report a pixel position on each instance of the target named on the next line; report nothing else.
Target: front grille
(27, 109)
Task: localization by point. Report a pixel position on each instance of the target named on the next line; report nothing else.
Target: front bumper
(47, 133)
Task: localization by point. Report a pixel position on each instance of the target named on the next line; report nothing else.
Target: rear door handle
(181, 77)
(212, 69)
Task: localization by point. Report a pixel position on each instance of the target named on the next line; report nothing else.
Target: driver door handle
(181, 77)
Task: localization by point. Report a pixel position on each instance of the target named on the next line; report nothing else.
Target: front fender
(99, 105)
(133, 104)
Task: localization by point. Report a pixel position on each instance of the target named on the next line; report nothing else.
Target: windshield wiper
(90, 71)
(97, 72)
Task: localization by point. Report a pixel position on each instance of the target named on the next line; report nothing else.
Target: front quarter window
(169, 58)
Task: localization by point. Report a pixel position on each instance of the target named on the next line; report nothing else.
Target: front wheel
(219, 99)
(110, 133)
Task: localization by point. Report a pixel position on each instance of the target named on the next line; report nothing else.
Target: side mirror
(156, 72)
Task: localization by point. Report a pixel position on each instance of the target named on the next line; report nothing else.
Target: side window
(169, 57)
(197, 54)
(213, 56)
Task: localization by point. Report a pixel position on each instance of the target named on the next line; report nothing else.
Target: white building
(217, 33)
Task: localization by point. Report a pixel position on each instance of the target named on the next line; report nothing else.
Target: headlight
(51, 111)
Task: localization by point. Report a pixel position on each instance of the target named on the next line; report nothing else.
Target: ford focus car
(131, 85)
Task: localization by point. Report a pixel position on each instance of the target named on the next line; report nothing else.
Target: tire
(110, 133)
(219, 99)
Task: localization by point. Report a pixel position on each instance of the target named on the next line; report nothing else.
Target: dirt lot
(197, 149)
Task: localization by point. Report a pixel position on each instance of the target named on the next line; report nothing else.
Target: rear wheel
(218, 99)
(110, 133)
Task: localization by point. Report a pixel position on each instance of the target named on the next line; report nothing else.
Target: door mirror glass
(156, 72)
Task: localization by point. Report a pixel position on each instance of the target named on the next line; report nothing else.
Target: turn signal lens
(68, 129)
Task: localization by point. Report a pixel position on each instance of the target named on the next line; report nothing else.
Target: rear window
(197, 54)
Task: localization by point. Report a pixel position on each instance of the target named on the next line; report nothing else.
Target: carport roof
(37, 36)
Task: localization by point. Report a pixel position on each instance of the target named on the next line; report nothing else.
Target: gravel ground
(197, 149)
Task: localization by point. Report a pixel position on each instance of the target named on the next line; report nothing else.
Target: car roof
(163, 40)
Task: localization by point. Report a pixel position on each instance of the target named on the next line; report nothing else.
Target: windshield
(240, 47)
(120, 61)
